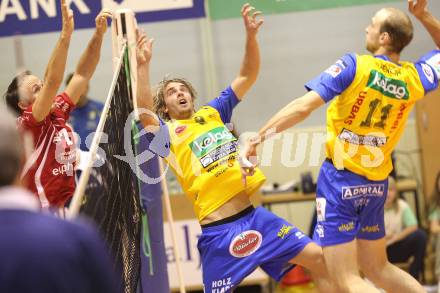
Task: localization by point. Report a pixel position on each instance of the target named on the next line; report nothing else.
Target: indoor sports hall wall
(294, 48)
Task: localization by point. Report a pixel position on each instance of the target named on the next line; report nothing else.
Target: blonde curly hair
(159, 97)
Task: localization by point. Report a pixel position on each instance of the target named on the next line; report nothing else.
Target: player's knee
(374, 271)
(343, 285)
(317, 261)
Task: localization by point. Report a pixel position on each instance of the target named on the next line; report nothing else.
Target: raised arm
(251, 62)
(431, 23)
(295, 112)
(89, 59)
(144, 50)
(55, 68)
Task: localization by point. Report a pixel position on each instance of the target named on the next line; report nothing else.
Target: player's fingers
(106, 10)
(243, 180)
(411, 5)
(248, 10)
(142, 42)
(255, 14)
(63, 8)
(107, 14)
(150, 43)
(244, 7)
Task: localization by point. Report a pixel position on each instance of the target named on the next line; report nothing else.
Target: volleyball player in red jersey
(49, 170)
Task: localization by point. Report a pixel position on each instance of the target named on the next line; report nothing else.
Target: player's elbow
(303, 113)
(147, 120)
(307, 104)
(53, 81)
(303, 110)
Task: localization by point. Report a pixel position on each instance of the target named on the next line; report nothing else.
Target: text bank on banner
(41, 16)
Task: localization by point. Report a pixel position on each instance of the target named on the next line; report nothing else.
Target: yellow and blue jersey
(203, 154)
(370, 100)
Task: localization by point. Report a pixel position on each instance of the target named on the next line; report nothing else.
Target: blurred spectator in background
(85, 117)
(40, 253)
(404, 238)
(434, 225)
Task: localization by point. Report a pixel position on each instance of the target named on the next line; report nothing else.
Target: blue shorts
(348, 206)
(231, 251)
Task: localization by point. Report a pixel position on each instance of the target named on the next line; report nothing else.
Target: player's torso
(50, 169)
(204, 158)
(201, 146)
(365, 122)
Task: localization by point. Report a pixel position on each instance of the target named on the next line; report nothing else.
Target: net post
(124, 31)
(166, 198)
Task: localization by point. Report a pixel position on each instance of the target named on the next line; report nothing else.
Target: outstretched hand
(144, 47)
(251, 23)
(101, 21)
(417, 7)
(248, 159)
(67, 17)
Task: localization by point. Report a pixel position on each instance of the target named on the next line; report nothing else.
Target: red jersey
(49, 171)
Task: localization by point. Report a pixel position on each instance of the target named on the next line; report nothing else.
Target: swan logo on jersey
(392, 88)
(245, 244)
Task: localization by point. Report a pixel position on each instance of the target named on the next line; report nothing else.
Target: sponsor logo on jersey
(180, 129)
(320, 208)
(371, 229)
(284, 231)
(336, 68)
(351, 192)
(245, 244)
(434, 61)
(210, 140)
(63, 169)
(427, 70)
(392, 88)
(299, 235)
(61, 104)
(320, 230)
(222, 285)
(346, 227)
(370, 140)
(219, 153)
(200, 120)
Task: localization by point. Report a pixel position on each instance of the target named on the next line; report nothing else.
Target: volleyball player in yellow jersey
(236, 237)
(371, 98)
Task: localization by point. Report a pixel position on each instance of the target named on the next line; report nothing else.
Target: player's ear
(22, 105)
(385, 38)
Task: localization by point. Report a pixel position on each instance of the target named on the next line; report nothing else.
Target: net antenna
(124, 32)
